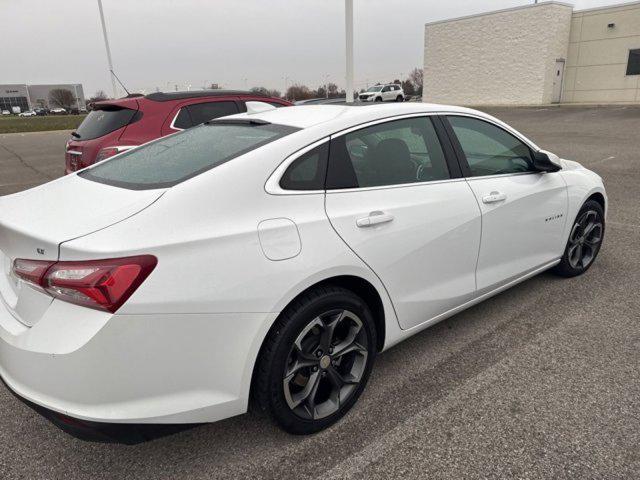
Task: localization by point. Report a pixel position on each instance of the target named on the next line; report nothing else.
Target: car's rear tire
(316, 360)
(585, 240)
(399, 98)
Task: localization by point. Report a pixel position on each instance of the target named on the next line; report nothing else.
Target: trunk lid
(35, 222)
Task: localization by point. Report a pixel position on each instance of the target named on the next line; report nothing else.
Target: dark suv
(114, 126)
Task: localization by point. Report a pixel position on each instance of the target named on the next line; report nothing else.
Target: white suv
(383, 93)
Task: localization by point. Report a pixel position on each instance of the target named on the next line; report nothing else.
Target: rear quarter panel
(205, 235)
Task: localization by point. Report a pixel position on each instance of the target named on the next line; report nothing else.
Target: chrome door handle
(374, 218)
(494, 197)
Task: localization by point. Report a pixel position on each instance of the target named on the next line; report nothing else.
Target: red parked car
(114, 126)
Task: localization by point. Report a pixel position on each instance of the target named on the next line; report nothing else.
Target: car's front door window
(489, 149)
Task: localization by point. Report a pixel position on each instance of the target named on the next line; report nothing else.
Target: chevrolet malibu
(269, 257)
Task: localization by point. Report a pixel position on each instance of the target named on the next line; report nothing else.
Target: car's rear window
(100, 122)
(170, 160)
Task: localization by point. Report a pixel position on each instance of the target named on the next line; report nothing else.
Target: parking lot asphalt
(541, 381)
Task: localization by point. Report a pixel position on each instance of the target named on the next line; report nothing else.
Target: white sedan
(271, 256)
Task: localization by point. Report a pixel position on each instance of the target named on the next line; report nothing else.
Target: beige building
(536, 54)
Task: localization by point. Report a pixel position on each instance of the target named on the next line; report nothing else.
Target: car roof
(168, 96)
(343, 116)
(131, 101)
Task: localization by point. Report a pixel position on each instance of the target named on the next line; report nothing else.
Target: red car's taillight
(100, 284)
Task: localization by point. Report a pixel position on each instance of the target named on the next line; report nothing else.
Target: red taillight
(31, 271)
(100, 284)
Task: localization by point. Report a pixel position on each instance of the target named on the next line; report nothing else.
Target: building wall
(32, 96)
(40, 94)
(598, 55)
(14, 95)
(501, 58)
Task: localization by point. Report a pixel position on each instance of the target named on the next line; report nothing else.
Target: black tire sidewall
(298, 320)
(564, 268)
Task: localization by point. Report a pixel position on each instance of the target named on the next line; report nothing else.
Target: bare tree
(61, 97)
(298, 92)
(321, 92)
(266, 91)
(98, 97)
(416, 76)
(333, 90)
(408, 88)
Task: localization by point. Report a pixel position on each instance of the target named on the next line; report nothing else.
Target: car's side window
(390, 153)
(202, 112)
(182, 120)
(308, 171)
(489, 149)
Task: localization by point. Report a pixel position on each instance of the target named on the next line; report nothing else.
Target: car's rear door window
(175, 158)
(391, 153)
(203, 112)
(100, 122)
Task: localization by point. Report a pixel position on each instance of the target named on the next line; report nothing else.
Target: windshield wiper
(75, 134)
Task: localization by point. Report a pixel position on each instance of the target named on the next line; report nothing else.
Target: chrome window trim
(501, 175)
(399, 185)
(381, 120)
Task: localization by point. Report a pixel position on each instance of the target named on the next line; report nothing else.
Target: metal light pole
(75, 91)
(348, 8)
(286, 83)
(106, 45)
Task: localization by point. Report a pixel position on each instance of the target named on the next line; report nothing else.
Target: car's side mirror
(546, 162)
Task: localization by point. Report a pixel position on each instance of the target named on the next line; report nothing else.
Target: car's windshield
(176, 158)
(377, 88)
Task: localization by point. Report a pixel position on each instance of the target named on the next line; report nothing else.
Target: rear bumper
(134, 368)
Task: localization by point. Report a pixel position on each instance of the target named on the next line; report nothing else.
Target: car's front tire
(378, 99)
(585, 240)
(316, 360)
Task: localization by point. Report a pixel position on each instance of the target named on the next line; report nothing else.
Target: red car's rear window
(100, 122)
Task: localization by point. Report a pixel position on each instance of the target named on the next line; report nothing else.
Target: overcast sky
(235, 43)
